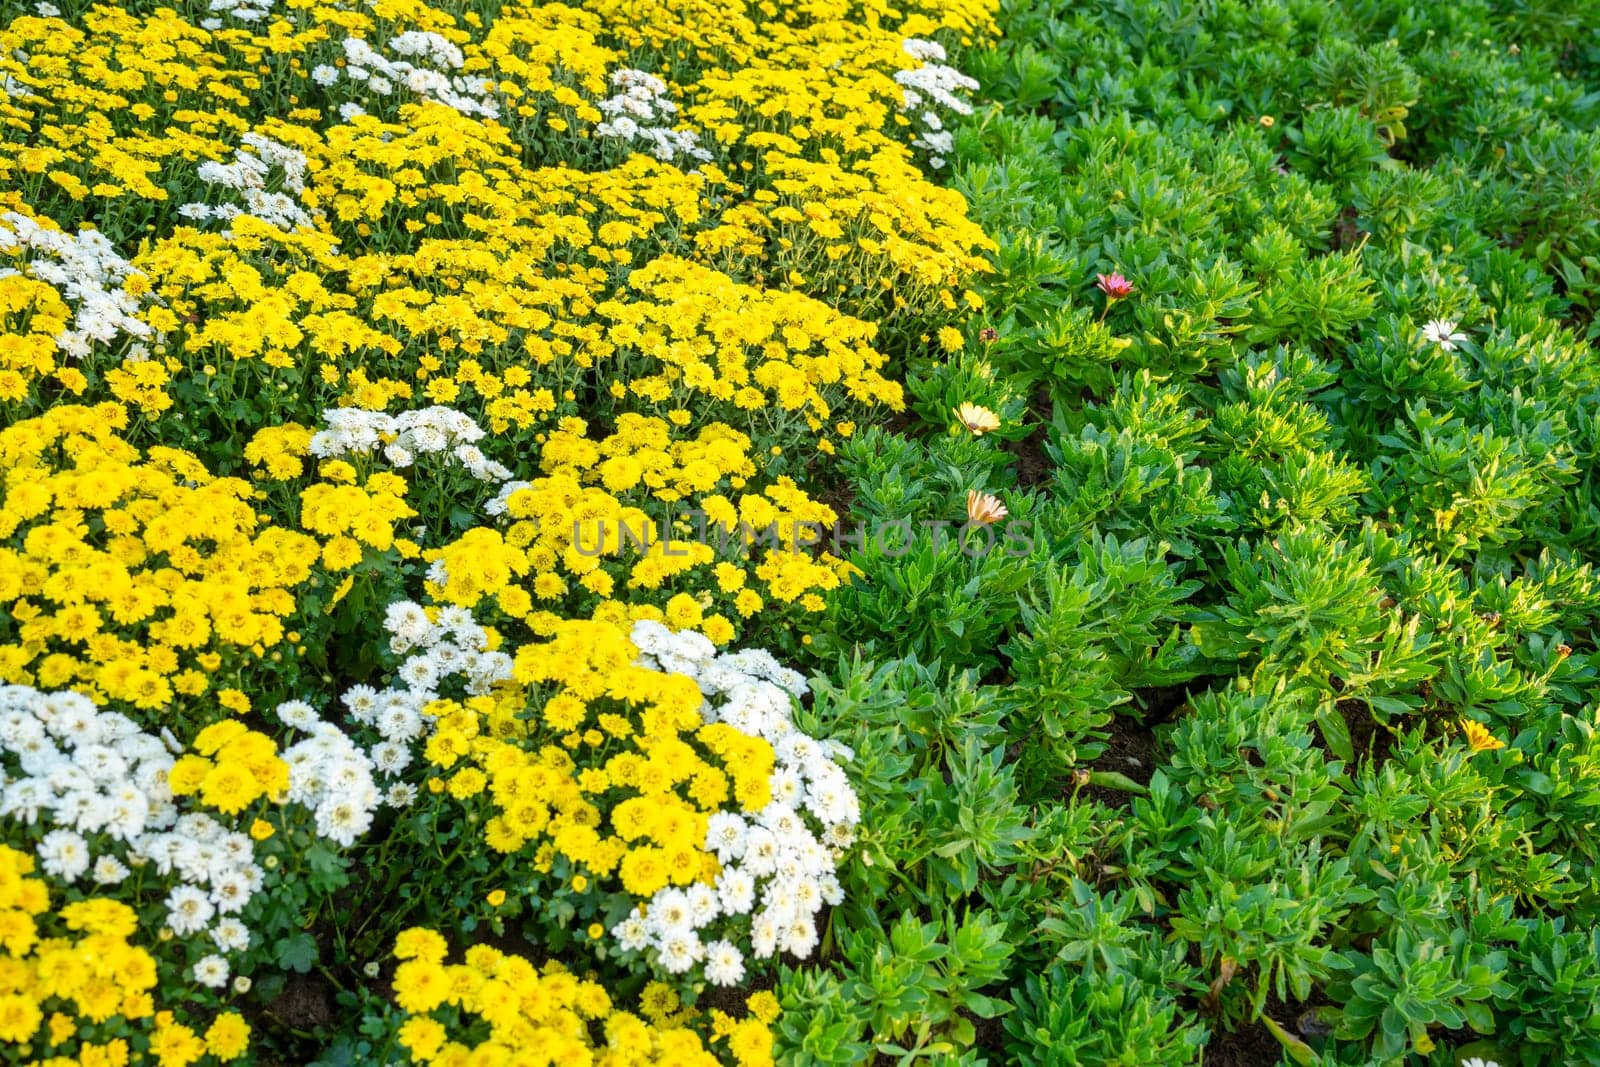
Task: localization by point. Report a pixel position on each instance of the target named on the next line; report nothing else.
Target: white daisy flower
(1443, 333)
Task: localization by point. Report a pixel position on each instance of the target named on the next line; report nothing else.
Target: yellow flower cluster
(662, 351)
(32, 313)
(444, 265)
(541, 1016)
(737, 344)
(734, 552)
(602, 729)
(233, 768)
(352, 518)
(56, 989)
(128, 576)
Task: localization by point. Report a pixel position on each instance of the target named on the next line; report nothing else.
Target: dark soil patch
(305, 1005)
(1033, 466)
(1345, 232)
(1161, 702)
(1368, 739)
(899, 422)
(840, 498)
(1251, 1046)
(991, 1034)
(512, 942)
(1130, 750)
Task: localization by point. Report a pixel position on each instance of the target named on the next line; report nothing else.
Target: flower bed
(645, 533)
(374, 377)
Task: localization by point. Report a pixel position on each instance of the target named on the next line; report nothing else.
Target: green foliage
(944, 595)
(1088, 637)
(1066, 1018)
(1318, 490)
(1264, 909)
(1407, 984)
(1336, 145)
(819, 1025)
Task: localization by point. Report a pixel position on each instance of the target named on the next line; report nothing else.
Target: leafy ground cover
(1279, 744)
(835, 533)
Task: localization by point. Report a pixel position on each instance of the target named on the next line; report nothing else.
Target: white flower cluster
(329, 774)
(382, 76)
(453, 647)
(243, 10)
(774, 868)
(925, 90)
(91, 773)
(641, 110)
(248, 176)
(89, 275)
(403, 437)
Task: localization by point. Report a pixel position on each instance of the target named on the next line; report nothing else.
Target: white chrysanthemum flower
(63, 854)
(230, 891)
(839, 836)
(763, 935)
(108, 870)
(632, 933)
(231, 935)
(669, 910)
(188, 910)
(786, 786)
(725, 835)
(390, 757)
(761, 851)
(801, 937)
(211, 971)
(724, 963)
(361, 702)
(704, 907)
(298, 715)
(736, 889)
(419, 672)
(680, 950)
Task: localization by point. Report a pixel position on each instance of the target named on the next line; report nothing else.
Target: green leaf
(985, 1007)
(1298, 1050)
(1535, 782)
(1336, 733)
(1117, 780)
(297, 953)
